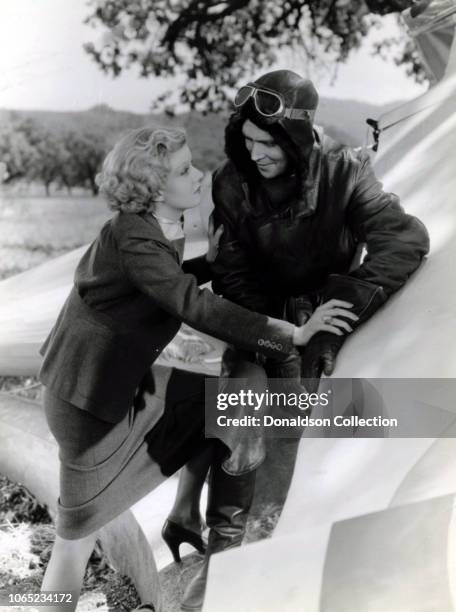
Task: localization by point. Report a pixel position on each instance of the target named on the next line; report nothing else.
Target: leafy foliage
(403, 52)
(86, 152)
(51, 158)
(32, 152)
(216, 44)
(16, 151)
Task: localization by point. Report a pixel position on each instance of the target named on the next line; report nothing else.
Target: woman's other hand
(329, 317)
(214, 239)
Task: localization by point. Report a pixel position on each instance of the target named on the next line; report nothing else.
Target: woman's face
(183, 185)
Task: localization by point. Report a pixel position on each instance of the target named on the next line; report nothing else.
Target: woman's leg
(66, 568)
(186, 507)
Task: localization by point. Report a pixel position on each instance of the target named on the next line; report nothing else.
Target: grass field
(34, 229)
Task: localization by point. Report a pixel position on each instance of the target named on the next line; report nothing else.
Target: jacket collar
(147, 226)
(307, 203)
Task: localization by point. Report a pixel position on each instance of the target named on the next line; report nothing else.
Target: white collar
(172, 229)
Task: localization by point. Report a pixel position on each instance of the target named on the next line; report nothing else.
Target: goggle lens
(267, 103)
(243, 95)
(270, 104)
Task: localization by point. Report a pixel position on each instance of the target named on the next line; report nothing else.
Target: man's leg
(230, 494)
(229, 502)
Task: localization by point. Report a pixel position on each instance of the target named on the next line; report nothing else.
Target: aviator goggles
(270, 103)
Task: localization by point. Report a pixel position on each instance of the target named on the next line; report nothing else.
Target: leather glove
(299, 309)
(147, 385)
(319, 355)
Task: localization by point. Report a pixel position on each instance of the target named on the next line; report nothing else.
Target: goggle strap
(298, 113)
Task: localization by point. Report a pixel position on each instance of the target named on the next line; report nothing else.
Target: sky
(43, 65)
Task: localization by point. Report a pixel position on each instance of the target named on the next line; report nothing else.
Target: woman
(129, 298)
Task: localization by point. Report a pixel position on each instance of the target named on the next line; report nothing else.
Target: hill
(344, 120)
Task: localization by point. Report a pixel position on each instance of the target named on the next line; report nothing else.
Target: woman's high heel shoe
(174, 535)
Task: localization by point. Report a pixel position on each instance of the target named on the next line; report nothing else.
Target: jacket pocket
(100, 360)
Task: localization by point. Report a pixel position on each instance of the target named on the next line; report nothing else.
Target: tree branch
(383, 7)
(194, 12)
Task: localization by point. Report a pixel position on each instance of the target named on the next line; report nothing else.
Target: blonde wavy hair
(135, 171)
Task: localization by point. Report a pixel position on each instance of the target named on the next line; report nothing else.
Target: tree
(51, 160)
(16, 152)
(49, 155)
(218, 43)
(86, 152)
(33, 152)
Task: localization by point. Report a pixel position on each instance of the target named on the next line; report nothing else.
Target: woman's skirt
(105, 468)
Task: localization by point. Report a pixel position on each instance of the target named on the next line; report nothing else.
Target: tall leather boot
(229, 502)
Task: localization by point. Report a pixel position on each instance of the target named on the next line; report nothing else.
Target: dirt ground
(26, 537)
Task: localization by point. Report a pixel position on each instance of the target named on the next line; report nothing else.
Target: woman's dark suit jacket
(129, 298)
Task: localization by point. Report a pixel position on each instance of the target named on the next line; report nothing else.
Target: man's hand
(299, 309)
(319, 356)
(214, 239)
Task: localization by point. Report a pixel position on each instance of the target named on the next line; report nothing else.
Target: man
(296, 207)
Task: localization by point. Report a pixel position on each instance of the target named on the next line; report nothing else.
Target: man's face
(269, 158)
